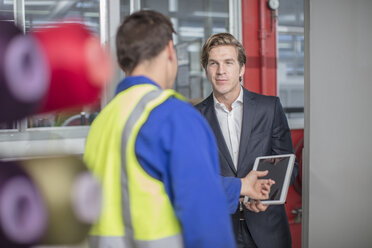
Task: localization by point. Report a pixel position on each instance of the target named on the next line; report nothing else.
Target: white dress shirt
(231, 124)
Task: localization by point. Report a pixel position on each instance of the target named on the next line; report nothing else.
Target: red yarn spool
(79, 65)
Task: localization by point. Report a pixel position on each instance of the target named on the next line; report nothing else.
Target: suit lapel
(210, 115)
(249, 111)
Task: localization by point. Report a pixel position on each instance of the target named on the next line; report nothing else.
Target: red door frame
(259, 39)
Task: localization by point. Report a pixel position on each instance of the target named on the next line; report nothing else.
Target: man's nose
(220, 69)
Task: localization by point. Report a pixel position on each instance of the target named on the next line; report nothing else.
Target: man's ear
(242, 71)
(172, 55)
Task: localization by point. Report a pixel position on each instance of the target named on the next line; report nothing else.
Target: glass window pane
(47, 12)
(194, 24)
(6, 10)
(291, 13)
(124, 9)
(291, 57)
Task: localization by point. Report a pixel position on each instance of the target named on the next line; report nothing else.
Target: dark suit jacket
(265, 131)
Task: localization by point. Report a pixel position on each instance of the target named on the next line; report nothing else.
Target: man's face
(223, 70)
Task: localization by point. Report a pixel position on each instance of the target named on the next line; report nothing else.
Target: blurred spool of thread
(24, 74)
(72, 196)
(23, 217)
(79, 65)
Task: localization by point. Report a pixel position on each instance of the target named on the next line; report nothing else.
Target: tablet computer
(280, 170)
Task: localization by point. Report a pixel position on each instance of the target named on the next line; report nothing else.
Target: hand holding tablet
(255, 187)
(280, 169)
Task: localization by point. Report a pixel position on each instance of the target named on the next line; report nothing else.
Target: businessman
(246, 125)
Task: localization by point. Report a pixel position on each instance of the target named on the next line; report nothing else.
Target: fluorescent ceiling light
(91, 14)
(37, 12)
(287, 29)
(211, 14)
(39, 3)
(31, 3)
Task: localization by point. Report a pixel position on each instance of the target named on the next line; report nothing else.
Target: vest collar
(133, 80)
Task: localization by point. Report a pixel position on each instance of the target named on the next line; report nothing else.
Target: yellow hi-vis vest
(136, 210)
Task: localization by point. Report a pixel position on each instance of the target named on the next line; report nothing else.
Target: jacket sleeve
(232, 186)
(199, 199)
(177, 146)
(281, 136)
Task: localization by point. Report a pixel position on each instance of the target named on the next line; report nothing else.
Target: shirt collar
(240, 97)
(133, 80)
(237, 100)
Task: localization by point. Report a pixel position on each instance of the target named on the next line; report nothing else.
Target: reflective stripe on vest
(120, 242)
(146, 217)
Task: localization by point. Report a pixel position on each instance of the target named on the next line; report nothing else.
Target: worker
(156, 156)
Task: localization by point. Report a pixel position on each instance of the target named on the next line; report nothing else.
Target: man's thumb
(262, 173)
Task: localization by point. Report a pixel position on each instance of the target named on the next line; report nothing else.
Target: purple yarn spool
(23, 217)
(24, 73)
(87, 198)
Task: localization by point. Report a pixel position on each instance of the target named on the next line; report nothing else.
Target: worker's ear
(171, 50)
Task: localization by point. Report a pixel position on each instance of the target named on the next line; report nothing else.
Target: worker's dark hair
(142, 36)
(222, 39)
